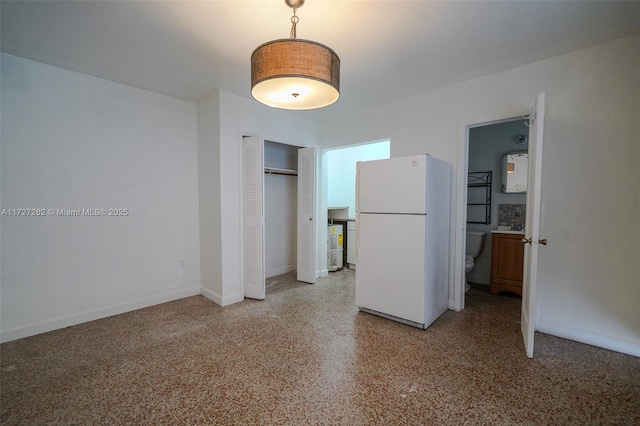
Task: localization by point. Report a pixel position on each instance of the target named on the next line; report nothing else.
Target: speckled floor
(306, 356)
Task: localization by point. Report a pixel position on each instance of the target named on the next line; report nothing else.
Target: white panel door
(390, 277)
(532, 225)
(253, 217)
(306, 252)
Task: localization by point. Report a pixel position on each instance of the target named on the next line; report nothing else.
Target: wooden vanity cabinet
(507, 258)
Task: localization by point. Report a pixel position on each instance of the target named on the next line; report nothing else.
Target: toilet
(475, 243)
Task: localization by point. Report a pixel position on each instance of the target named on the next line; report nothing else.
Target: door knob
(527, 240)
(543, 241)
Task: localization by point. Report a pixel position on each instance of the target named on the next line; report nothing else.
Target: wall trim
(220, 300)
(96, 314)
(594, 339)
(452, 306)
(279, 270)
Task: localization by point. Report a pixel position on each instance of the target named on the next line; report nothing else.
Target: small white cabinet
(351, 244)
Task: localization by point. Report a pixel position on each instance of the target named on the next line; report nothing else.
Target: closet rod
(276, 171)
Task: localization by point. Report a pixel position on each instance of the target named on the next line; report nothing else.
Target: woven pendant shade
(295, 74)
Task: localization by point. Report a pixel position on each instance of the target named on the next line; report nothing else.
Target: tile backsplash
(512, 215)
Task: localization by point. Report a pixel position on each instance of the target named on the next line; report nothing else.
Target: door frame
(247, 133)
(456, 291)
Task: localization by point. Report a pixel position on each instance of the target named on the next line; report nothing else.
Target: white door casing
(457, 289)
(305, 255)
(253, 217)
(532, 225)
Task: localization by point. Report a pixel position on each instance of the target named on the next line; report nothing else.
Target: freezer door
(394, 185)
(390, 277)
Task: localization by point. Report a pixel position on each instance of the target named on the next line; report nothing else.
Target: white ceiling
(388, 49)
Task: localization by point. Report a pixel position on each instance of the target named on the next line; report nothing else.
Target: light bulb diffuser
(295, 74)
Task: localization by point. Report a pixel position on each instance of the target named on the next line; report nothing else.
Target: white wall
(209, 196)
(241, 116)
(588, 289)
(71, 141)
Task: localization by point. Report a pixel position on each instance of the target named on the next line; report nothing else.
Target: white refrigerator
(402, 238)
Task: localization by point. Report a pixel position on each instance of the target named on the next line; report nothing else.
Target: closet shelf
(277, 171)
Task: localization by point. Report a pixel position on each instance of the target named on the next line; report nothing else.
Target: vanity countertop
(502, 231)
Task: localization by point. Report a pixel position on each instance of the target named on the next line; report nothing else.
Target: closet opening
(280, 207)
(278, 213)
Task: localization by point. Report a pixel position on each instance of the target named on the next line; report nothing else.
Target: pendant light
(295, 74)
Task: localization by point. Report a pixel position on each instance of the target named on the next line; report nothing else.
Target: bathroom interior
(496, 206)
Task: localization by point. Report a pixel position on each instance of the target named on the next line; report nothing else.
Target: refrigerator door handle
(357, 185)
(357, 238)
(357, 211)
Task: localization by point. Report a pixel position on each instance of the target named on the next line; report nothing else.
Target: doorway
(339, 175)
(489, 207)
(536, 115)
(340, 164)
(280, 207)
(528, 317)
(457, 291)
(283, 161)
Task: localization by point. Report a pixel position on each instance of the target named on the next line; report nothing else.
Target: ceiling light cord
(294, 5)
(294, 23)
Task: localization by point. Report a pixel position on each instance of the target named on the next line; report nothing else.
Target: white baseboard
(451, 305)
(219, 300)
(583, 336)
(75, 319)
(279, 270)
(323, 273)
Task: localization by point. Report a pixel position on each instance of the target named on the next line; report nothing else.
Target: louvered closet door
(253, 217)
(306, 253)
